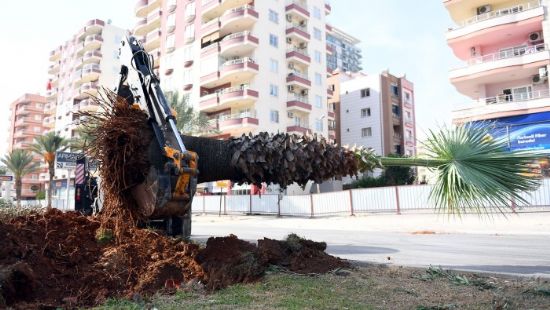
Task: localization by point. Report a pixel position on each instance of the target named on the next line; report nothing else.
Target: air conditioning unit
(290, 88)
(484, 9)
(304, 92)
(535, 37)
(303, 45)
(288, 40)
(291, 65)
(473, 51)
(537, 79)
(288, 18)
(290, 114)
(543, 72)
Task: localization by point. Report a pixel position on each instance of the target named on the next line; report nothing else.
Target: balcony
(142, 27)
(297, 32)
(210, 26)
(502, 106)
(396, 119)
(92, 57)
(493, 19)
(298, 55)
(141, 9)
(328, 8)
(227, 98)
(238, 70)
(51, 95)
(298, 103)
(89, 89)
(153, 19)
(238, 123)
(331, 115)
(238, 44)
(211, 49)
(21, 134)
(153, 40)
(88, 105)
(53, 68)
(238, 20)
(49, 122)
(90, 72)
(92, 42)
(512, 64)
(298, 8)
(55, 55)
(94, 26)
(298, 128)
(215, 8)
(298, 79)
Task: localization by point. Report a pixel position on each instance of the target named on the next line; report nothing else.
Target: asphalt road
(526, 255)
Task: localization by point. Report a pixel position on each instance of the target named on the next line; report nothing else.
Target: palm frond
(476, 172)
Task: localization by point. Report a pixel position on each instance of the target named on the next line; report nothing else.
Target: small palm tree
(189, 121)
(46, 146)
(20, 163)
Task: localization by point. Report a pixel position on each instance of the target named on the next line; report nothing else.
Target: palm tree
(20, 163)
(46, 146)
(189, 121)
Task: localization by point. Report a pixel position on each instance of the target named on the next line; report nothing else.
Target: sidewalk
(523, 223)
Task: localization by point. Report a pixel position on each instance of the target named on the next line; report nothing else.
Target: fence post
(250, 204)
(311, 204)
(203, 205)
(225, 205)
(351, 203)
(397, 200)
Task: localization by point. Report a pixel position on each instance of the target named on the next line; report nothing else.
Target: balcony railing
(236, 35)
(299, 74)
(295, 97)
(302, 51)
(508, 53)
(238, 61)
(248, 114)
(518, 97)
(502, 12)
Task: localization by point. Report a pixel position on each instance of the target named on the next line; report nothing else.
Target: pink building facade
(503, 52)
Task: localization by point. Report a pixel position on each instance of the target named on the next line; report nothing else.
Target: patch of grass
(433, 273)
(121, 304)
(539, 291)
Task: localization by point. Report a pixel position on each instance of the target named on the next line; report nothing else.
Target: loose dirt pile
(55, 260)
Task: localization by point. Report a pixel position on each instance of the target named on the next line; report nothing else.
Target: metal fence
(382, 199)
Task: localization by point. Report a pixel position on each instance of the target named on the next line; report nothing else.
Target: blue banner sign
(524, 132)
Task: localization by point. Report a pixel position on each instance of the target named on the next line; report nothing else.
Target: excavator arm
(172, 179)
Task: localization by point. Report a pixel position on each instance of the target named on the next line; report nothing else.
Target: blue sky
(406, 37)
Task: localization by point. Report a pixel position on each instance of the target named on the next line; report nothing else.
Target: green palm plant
(474, 171)
(189, 121)
(46, 146)
(20, 163)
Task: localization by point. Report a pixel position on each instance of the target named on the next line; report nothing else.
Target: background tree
(82, 139)
(20, 163)
(46, 146)
(189, 121)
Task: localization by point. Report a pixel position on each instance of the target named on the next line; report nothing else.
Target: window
(407, 96)
(274, 116)
(274, 16)
(274, 90)
(188, 53)
(187, 77)
(190, 9)
(317, 34)
(409, 115)
(318, 79)
(395, 109)
(409, 133)
(365, 112)
(317, 12)
(319, 124)
(37, 118)
(273, 40)
(171, 22)
(190, 32)
(365, 92)
(366, 132)
(274, 65)
(394, 90)
(318, 58)
(170, 42)
(118, 39)
(36, 129)
(318, 101)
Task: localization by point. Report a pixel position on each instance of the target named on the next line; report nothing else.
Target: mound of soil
(299, 255)
(229, 260)
(57, 259)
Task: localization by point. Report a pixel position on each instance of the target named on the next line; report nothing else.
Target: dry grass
(367, 287)
(9, 213)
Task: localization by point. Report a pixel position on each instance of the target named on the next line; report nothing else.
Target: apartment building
(344, 53)
(249, 65)
(26, 123)
(376, 111)
(78, 69)
(502, 46)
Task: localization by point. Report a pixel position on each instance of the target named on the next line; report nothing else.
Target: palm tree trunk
(51, 170)
(18, 188)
